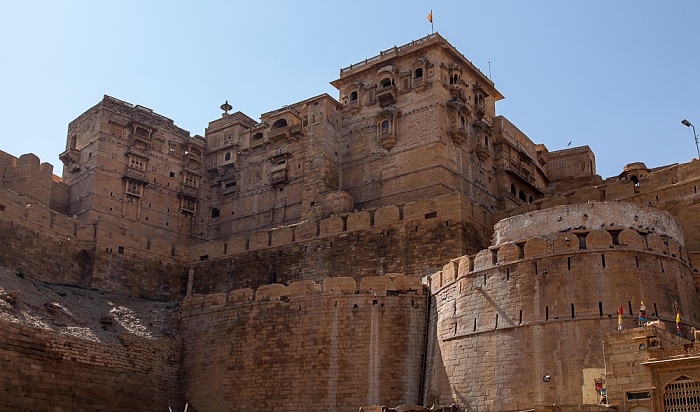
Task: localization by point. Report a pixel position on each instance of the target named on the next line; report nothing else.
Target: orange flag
(430, 16)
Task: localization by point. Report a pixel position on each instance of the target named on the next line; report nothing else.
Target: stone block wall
(503, 319)
(44, 371)
(306, 346)
(48, 246)
(42, 244)
(674, 189)
(415, 239)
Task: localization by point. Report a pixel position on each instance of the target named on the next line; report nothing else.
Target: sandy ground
(88, 314)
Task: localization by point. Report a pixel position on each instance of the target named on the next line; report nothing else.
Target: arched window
(418, 73)
(279, 123)
(522, 197)
(680, 395)
(463, 122)
(512, 189)
(227, 156)
(386, 82)
(486, 141)
(635, 179)
(257, 136)
(353, 96)
(529, 200)
(385, 125)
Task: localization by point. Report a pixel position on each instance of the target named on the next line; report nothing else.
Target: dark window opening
(631, 396)
(120, 250)
(431, 215)
(172, 174)
(204, 257)
(353, 96)
(512, 189)
(521, 196)
(600, 308)
(279, 123)
(573, 312)
(385, 82)
(257, 136)
(215, 212)
(227, 156)
(635, 179)
(385, 126)
(418, 73)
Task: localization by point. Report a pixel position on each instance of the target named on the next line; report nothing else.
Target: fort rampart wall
(331, 346)
(673, 189)
(415, 238)
(45, 371)
(512, 312)
(48, 246)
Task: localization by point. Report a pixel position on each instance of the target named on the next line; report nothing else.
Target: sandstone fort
(399, 245)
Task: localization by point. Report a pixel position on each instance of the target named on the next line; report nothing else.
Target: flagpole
(432, 30)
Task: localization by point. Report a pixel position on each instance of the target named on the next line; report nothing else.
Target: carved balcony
(187, 191)
(192, 157)
(71, 159)
(386, 95)
(483, 152)
(135, 174)
(278, 175)
(387, 140)
(456, 91)
(458, 134)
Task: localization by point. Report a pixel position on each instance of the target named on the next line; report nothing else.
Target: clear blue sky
(618, 76)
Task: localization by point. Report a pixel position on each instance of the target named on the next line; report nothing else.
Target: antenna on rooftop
(490, 70)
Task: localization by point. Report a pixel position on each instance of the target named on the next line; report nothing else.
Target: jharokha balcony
(386, 95)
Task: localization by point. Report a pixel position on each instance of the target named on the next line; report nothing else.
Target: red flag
(619, 318)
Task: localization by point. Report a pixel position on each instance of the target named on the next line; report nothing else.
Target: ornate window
(188, 204)
(134, 188)
(353, 96)
(683, 394)
(387, 128)
(137, 163)
(384, 126)
(277, 124)
(190, 180)
(418, 73)
(227, 157)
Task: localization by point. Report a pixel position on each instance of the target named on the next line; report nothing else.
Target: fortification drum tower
(521, 323)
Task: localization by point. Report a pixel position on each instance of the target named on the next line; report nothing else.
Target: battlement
(446, 207)
(565, 242)
(392, 284)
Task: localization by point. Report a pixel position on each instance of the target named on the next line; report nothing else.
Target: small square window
(120, 250)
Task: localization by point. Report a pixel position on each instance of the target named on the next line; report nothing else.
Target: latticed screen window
(134, 188)
(189, 204)
(137, 163)
(682, 395)
(191, 180)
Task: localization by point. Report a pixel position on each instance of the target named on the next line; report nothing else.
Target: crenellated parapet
(550, 284)
(372, 286)
(450, 207)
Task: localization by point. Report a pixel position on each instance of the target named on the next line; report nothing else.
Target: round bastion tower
(521, 323)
